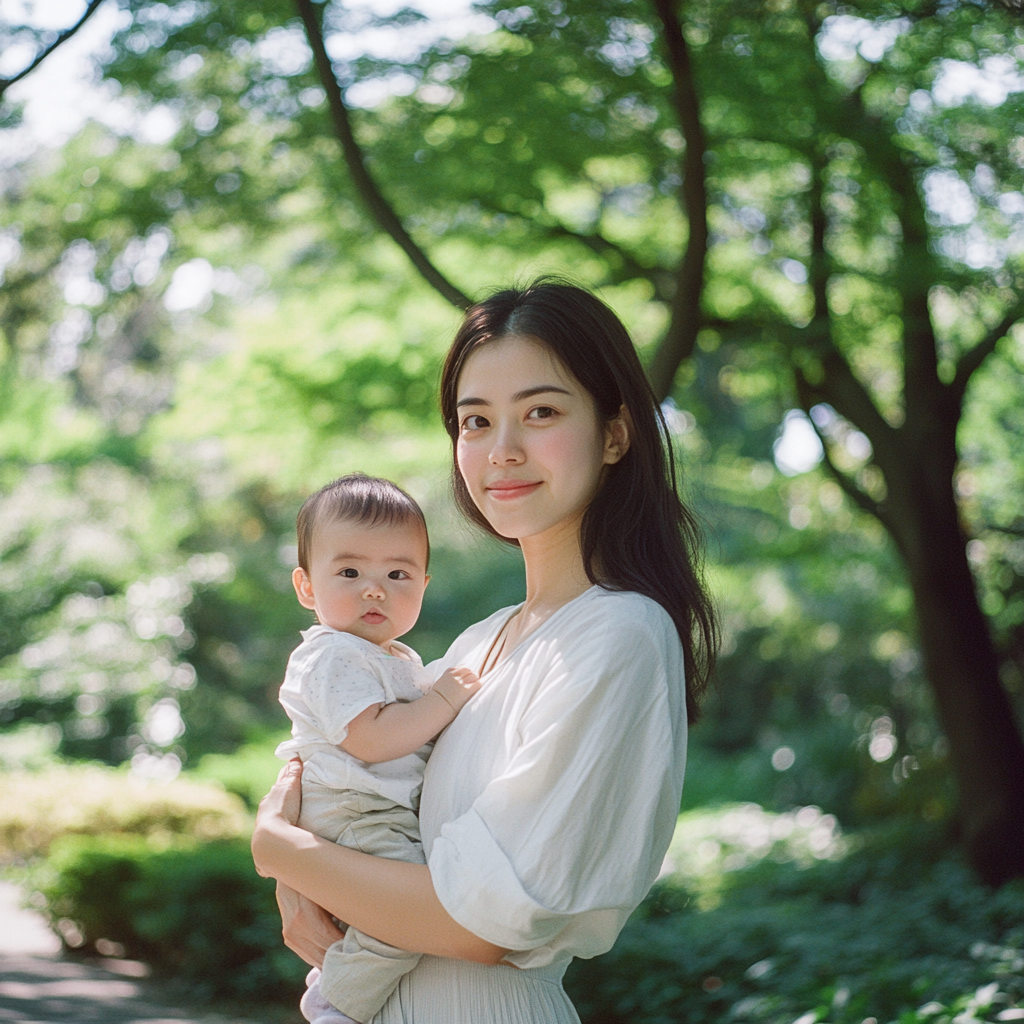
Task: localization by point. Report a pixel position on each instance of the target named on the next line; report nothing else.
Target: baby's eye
(398, 574)
(349, 573)
(542, 412)
(475, 423)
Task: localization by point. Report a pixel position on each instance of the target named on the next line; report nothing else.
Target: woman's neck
(554, 568)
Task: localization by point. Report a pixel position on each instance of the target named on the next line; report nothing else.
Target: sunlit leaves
(207, 303)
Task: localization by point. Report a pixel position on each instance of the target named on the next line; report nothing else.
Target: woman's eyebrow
(519, 396)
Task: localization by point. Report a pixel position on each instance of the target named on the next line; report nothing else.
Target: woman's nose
(507, 450)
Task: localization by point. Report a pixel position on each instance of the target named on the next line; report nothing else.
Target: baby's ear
(303, 587)
(426, 580)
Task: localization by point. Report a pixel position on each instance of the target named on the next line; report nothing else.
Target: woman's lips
(509, 490)
(374, 617)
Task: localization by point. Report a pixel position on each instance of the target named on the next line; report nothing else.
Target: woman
(549, 803)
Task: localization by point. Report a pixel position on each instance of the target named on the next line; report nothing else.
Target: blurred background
(234, 244)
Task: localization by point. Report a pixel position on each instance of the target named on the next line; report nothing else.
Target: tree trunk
(960, 662)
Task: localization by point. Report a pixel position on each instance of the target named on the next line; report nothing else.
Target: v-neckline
(511, 615)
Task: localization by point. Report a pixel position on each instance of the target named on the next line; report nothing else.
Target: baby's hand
(457, 685)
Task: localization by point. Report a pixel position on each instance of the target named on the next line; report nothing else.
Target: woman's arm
(391, 900)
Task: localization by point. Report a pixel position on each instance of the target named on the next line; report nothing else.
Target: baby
(363, 708)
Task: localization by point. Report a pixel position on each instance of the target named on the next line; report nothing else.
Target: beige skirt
(440, 991)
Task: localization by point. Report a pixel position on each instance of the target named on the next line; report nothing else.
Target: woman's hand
(280, 806)
(307, 929)
(392, 900)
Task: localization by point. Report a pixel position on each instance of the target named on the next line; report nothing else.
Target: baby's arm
(385, 731)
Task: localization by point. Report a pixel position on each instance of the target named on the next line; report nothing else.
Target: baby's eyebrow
(346, 556)
(404, 561)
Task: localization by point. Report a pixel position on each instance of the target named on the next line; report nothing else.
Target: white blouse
(549, 803)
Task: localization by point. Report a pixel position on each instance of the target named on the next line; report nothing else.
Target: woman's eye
(349, 573)
(474, 423)
(398, 574)
(542, 412)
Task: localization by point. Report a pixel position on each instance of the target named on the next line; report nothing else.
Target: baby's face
(365, 580)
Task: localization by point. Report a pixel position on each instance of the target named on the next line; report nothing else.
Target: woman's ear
(617, 433)
(303, 587)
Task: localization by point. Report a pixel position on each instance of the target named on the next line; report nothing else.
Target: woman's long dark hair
(636, 534)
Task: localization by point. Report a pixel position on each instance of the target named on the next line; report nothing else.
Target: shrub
(770, 920)
(36, 808)
(766, 919)
(197, 913)
(249, 772)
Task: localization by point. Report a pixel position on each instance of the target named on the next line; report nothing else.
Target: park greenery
(811, 218)
(761, 916)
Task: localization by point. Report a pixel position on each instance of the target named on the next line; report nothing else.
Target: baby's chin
(381, 634)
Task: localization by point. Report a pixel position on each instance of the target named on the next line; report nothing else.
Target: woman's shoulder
(619, 613)
(607, 633)
(612, 646)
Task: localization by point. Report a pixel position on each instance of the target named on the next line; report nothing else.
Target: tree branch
(841, 388)
(603, 247)
(1013, 531)
(819, 269)
(744, 325)
(863, 501)
(378, 206)
(684, 323)
(807, 394)
(6, 83)
(839, 385)
(971, 360)
(917, 272)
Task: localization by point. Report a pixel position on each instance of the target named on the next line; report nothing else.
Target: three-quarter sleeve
(565, 841)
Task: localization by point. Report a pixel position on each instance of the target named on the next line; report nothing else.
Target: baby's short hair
(369, 500)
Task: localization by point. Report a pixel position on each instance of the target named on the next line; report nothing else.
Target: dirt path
(38, 986)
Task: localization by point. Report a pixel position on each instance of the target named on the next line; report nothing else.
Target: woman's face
(531, 446)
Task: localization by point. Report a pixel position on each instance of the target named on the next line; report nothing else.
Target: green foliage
(197, 913)
(156, 445)
(896, 929)
(764, 918)
(249, 772)
(37, 809)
